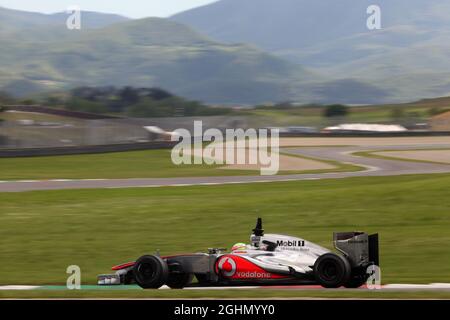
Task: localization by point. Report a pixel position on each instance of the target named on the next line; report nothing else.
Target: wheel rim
(329, 271)
(147, 271)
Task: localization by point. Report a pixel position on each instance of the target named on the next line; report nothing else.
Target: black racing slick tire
(179, 280)
(356, 281)
(150, 272)
(332, 270)
(128, 278)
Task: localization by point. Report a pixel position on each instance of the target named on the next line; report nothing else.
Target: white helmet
(239, 246)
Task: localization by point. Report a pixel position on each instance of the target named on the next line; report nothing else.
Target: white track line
(352, 153)
(13, 287)
(145, 186)
(418, 286)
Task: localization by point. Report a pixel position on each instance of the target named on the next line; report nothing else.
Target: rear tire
(332, 270)
(179, 280)
(150, 272)
(356, 281)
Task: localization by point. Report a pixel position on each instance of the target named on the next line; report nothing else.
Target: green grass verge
(132, 164)
(121, 165)
(43, 232)
(374, 154)
(313, 116)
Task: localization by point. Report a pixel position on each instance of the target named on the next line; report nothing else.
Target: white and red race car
(270, 259)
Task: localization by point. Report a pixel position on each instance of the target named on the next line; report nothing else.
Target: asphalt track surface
(373, 167)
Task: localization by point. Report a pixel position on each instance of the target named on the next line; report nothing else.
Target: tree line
(127, 101)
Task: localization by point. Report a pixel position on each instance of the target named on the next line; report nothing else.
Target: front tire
(128, 278)
(202, 279)
(332, 270)
(150, 272)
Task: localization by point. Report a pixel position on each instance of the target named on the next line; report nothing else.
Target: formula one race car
(270, 259)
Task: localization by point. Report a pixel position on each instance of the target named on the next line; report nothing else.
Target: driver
(239, 247)
(244, 247)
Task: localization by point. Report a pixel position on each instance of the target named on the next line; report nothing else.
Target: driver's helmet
(239, 246)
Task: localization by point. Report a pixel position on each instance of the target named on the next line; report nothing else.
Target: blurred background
(370, 106)
(248, 64)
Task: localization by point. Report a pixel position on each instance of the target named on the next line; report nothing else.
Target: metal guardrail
(56, 112)
(71, 150)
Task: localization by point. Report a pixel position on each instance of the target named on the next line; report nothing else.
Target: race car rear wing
(360, 248)
(373, 249)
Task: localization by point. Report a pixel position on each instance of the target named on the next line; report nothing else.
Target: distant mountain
(146, 52)
(295, 24)
(15, 19)
(408, 57)
(40, 54)
(38, 27)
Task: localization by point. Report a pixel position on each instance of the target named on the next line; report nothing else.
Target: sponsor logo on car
(290, 243)
(254, 275)
(227, 266)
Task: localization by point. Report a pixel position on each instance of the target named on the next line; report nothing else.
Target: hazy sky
(129, 8)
